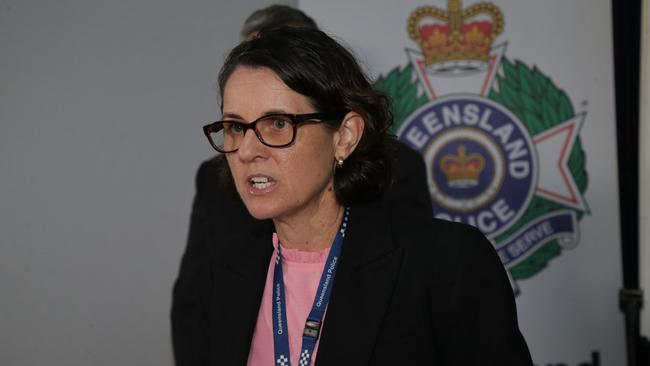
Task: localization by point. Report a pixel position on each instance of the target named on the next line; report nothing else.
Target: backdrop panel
(511, 103)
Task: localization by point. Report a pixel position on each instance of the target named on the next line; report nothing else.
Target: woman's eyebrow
(266, 113)
(232, 115)
(275, 111)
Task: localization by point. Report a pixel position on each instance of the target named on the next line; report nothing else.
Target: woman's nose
(250, 147)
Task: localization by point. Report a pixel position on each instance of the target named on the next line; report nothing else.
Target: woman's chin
(261, 212)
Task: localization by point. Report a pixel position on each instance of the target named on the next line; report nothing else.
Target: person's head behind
(275, 16)
(314, 65)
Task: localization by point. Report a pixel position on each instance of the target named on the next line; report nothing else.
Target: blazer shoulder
(407, 155)
(419, 229)
(208, 172)
(448, 245)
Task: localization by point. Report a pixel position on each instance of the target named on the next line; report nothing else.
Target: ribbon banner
(555, 226)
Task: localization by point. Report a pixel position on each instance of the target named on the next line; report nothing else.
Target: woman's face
(278, 183)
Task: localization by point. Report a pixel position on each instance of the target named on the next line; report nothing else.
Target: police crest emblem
(500, 140)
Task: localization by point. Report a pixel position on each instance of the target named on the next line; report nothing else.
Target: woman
(305, 139)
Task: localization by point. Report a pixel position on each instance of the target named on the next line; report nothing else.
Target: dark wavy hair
(275, 16)
(316, 66)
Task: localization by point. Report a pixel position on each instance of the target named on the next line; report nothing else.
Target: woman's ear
(348, 135)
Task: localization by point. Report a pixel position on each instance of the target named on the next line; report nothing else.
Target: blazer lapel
(239, 278)
(362, 289)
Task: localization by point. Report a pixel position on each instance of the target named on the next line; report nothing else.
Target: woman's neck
(310, 231)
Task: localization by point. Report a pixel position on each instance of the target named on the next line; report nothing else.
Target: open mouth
(261, 182)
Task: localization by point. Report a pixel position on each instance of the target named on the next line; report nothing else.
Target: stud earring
(339, 163)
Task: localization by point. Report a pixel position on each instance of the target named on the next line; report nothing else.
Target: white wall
(644, 171)
(101, 108)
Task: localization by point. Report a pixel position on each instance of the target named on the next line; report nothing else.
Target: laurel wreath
(402, 90)
(538, 103)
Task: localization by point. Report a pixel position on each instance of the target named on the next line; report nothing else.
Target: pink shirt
(302, 271)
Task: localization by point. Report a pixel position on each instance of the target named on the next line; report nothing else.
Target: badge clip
(312, 328)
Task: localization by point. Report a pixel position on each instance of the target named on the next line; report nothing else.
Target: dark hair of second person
(275, 16)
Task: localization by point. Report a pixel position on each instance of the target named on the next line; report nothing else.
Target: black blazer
(408, 291)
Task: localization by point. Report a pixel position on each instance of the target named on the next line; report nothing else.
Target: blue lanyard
(315, 318)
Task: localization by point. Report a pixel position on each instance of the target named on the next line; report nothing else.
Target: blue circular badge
(481, 162)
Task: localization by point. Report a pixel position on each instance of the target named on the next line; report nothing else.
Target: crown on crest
(456, 34)
(462, 170)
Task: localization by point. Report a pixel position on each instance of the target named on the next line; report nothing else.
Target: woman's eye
(234, 128)
(280, 124)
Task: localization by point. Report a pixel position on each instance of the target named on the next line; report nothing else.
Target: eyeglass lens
(271, 130)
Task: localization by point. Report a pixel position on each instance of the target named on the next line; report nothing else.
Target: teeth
(261, 182)
(261, 185)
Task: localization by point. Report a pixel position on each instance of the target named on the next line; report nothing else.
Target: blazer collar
(369, 236)
(362, 289)
(240, 265)
(247, 253)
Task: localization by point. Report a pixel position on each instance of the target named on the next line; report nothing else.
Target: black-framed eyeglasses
(273, 130)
